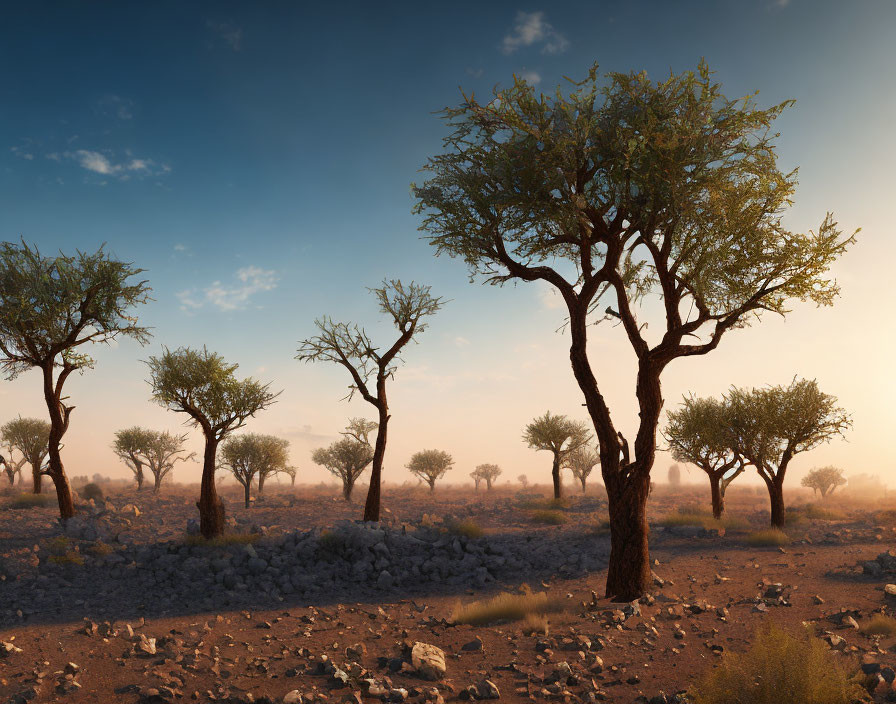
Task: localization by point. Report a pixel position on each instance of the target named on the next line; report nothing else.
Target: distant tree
(489, 472)
(291, 472)
(770, 425)
(699, 433)
(252, 456)
(30, 436)
(202, 385)
(49, 308)
(359, 429)
(346, 459)
(130, 446)
(558, 435)
(430, 465)
(618, 192)
(477, 478)
(674, 475)
(162, 451)
(351, 347)
(11, 465)
(824, 480)
(524, 480)
(582, 462)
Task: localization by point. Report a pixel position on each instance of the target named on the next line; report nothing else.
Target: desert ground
(302, 603)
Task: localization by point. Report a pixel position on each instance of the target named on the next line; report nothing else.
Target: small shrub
(222, 540)
(794, 517)
(550, 518)
(600, 526)
(779, 667)
(32, 501)
(812, 511)
(690, 516)
(70, 558)
(506, 607)
(91, 491)
(467, 528)
(771, 537)
(535, 625)
(100, 549)
(879, 625)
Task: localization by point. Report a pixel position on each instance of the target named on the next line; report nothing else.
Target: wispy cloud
(116, 106)
(22, 153)
(249, 281)
(531, 77)
(107, 165)
(461, 341)
(531, 29)
(231, 34)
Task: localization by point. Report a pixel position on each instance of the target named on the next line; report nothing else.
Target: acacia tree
(558, 435)
(162, 451)
(202, 385)
(49, 308)
(611, 193)
(582, 462)
(350, 346)
(524, 480)
(31, 437)
(477, 478)
(768, 426)
(130, 447)
(488, 472)
(11, 466)
(252, 456)
(824, 479)
(346, 459)
(699, 433)
(291, 472)
(674, 475)
(430, 465)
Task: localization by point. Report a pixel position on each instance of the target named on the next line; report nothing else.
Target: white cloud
(229, 32)
(179, 247)
(531, 28)
(23, 152)
(100, 163)
(531, 77)
(250, 280)
(460, 341)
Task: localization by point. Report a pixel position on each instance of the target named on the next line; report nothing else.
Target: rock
(487, 690)
(473, 645)
(293, 697)
(428, 661)
(890, 590)
(6, 648)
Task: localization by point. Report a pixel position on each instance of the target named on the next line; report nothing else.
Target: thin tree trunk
(347, 491)
(36, 479)
(776, 497)
(488, 484)
(555, 475)
(583, 480)
(718, 500)
(157, 483)
(261, 483)
(246, 492)
(211, 510)
(372, 505)
(432, 487)
(58, 426)
(11, 476)
(139, 474)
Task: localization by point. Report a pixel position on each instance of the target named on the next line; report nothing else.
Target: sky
(256, 160)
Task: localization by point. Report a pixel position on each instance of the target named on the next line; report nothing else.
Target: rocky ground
(308, 605)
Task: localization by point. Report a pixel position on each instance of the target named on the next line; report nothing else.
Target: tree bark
(211, 510)
(488, 484)
(36, 480)
(628, 575)
(347, 491)
(139, 474)
(261, 478)
(58, 425)
(776, 497)
(555, 475)
(246, 493)
(372, 505)
(718, 500)
(157, 483)
(583, 480)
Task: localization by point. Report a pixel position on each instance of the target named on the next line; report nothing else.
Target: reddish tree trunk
(261, 478)
(776, 498)
(628, 573)
(139, 474)
(211, 510)
(246, 493)
(372, 505)
(718, 499)
(59, 418)
(36, 480)
(555, 475)
(347, 488)
(157, 483)
(583, 480)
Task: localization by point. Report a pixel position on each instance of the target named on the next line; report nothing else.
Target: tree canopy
(130, 446)
(557, 434)
(430, 465)
(346, 459)
(31, 437)
(162, 451)
(581, 462)
(488, 472)
(824, 479)
(251, 456)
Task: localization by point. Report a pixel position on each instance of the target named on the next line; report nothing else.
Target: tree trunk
(139, 477)
(718, 499)
(432, 486)
(261, 478)
(555, 475)
(246, 493)
(211, 510)
(583, 480)
(59, 417)
(488, 484)
(347, 491)
(11, 475)
(628, 575)
(64, 495)
(477, 485)
(157, 483)
(372, 505)
(776, 497)
(36, 479)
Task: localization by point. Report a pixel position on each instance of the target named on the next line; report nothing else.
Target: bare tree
(593, 192)
(346, 459)
(699, 433)
(204, 386)
(31, 437)
(524, 480)
(430, 465)
(768, 426)
(162, 451)
(49, 308)
(130, 447)
(251, 456)
(11, 466)
(489, 472)
(350, 346)
(558, 435)
(582, 462)
(824, 479)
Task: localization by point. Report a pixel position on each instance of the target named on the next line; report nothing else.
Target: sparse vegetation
(558, 435)
(779, 667)
(506, 607)
(824, 480)
(467, 528)
(879, 625)
(770, 537)
(349, 457)
(430, 465)
(822, 513)
(549, 518)
(91, 491)
(21, 501)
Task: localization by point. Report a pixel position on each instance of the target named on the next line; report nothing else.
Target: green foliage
(202, 385)
(582, 461)
(779, 667)
(691, 516)
(770, 537)
(550, 518)
(346, 458)
(91, 491)
(249, 455)
(430, 465)
(32, 501)
(487, 473)
(557, 434)
(30, 436)
(69, 559)
(824, 479)
(162, 451)
(468, 529)
(100, 549)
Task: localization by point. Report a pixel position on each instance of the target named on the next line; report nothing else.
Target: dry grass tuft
(535, 625)
(32, 501)
(691, 516)
(779, 667)
(467, 528)
(222, 540)
(550, 518)
(770, 537)
(507, 607)
(879, 625)
(821, 513)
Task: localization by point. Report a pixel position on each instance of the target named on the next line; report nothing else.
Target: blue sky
(256, 158)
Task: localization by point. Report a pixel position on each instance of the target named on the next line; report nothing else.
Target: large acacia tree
(698, 432)
(31, 437)
(558, 435)
(370, 366)
(50, 307)
(770, 425)
(202, 385)
(613, 191)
